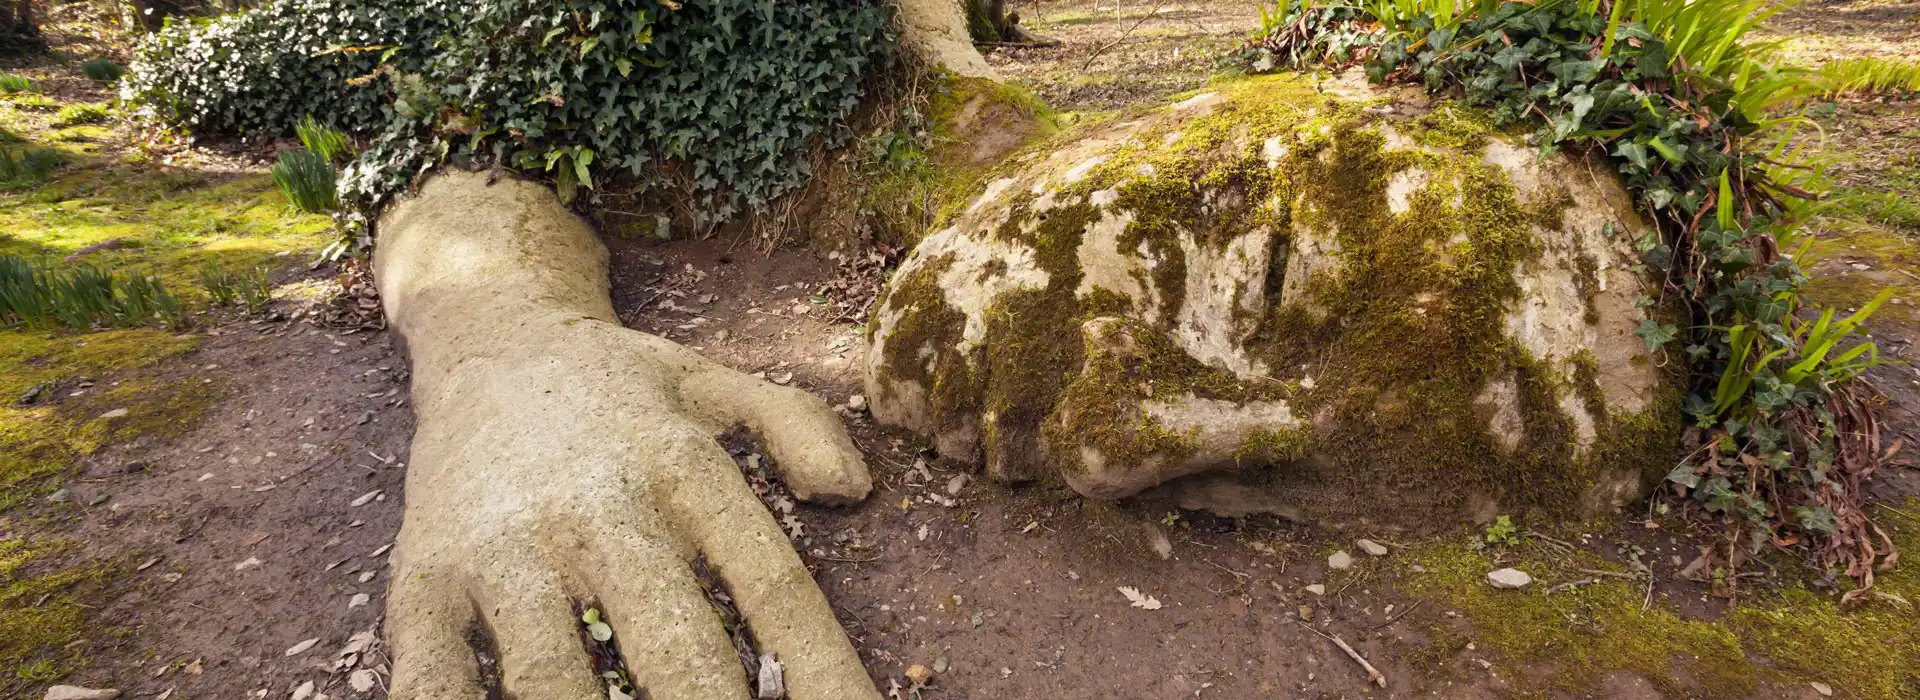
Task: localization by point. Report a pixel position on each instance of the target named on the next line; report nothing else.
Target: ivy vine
(1781, 439)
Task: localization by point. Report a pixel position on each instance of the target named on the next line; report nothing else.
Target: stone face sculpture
(1361, 306)
(561, 457)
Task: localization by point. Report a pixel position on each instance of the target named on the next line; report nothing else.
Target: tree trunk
(987, 21)
(147, 15)
(18, 32)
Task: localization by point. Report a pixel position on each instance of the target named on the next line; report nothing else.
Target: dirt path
(243, 534)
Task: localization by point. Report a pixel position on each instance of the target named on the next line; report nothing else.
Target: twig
(1563, 543)
(1896, 510)
(1372, 673)
(1230, 571)
(1403, 613)
(1615, 574)
(1569, 585)
(1123, 36)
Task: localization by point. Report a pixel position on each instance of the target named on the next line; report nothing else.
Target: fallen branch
(1372, 673)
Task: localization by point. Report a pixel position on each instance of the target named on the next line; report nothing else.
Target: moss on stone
(1272, 153)
(922, 347)
(1128, 364)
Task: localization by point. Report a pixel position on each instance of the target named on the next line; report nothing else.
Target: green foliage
(250, 291)
(80, 114)
(261, 70)
(716, 98)
(10, 83)
(1869, 76)
(307, 180)
(102, 69)
(1502, 531)
(28, 165)
(42, 297)
(1686, 106)
(324, 141)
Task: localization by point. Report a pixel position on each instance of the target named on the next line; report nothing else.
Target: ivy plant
(1696, 120)
(714, 101)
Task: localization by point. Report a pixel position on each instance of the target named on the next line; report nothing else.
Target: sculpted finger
(535, 632)
(671, 636)
(429, 620)
(781, 602)
(808, 443)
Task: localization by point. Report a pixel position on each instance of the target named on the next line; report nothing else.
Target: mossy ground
(1566, 640)
(131, 216)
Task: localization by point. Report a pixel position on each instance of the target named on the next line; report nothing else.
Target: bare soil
(240, 537)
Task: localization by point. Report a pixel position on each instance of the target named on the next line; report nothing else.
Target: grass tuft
(102, 70)
(307, 180)
(41, 297)
(80, 114)
(28, 166)
(324, 141)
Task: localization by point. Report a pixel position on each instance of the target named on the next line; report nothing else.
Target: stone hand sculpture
(561, 457)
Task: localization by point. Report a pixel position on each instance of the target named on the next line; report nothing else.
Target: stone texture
(1074, 264)
(70, 692)
(1509, 578)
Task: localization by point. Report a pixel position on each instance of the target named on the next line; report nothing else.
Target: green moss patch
(172, 223)
(42, 613)
(1567, 640)
(41, 441)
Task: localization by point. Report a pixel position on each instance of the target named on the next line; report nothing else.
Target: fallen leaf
(361, 680)
(302, 647)
(1138, 599)
(364, 499)
(193, 667)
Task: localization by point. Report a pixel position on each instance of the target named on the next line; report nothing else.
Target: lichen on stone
(1363, 267)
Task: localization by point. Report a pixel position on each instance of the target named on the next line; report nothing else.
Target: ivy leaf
(1816, 519)
(1684, 475)
(1656, 334)
(1634, 153)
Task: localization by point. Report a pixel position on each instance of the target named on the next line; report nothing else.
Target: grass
(27, 166)
(102, 70)
(307, 180)
(10, 83)
(80, 114)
